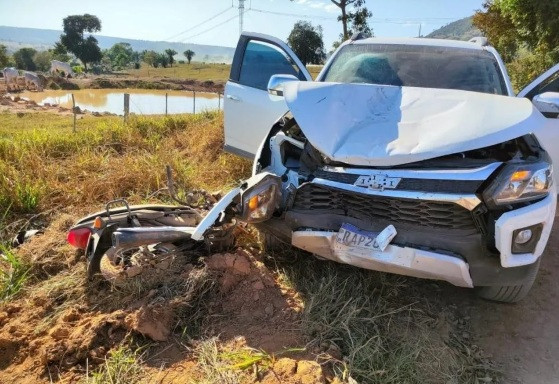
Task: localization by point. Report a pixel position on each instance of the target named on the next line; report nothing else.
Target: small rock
(256, 296)
(241, 266)
(258, 285)
(269, 310)
(309, 372)
(229, 260)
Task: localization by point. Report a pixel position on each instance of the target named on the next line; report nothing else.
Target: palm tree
(189, 54)
(171, 53)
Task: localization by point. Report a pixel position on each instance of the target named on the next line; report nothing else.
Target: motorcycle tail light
(79, 237)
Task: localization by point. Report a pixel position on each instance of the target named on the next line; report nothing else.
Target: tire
(510, 293)
(116, 274)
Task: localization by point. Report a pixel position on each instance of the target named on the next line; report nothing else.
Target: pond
(142, 102)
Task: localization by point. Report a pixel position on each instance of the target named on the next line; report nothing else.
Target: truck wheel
(510, 293)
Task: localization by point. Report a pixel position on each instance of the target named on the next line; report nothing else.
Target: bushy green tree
(84, 48)
(43, 60)
(525, 32)
(171, 55)
(150, 58)
(162, 60)
(24, 59)
(121, 55)
(60, 53)
(306, 42)
(4, 57)
(189, 54)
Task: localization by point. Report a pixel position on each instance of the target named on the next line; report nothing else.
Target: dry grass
(44, 165)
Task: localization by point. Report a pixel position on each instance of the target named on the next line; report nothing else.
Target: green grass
(379, 325)
(122, 366)
(13, 273)
(196, 71)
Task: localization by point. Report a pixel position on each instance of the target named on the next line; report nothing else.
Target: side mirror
(547, 103)
(275, 84)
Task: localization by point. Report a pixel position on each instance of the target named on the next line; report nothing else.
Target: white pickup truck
(409, 156)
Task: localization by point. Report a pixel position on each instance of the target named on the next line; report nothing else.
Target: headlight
(520, 182)
(261, 200)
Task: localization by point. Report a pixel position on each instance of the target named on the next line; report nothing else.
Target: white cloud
(317, 4)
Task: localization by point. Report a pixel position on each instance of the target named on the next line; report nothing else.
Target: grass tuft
(122, 366)
(13, 273)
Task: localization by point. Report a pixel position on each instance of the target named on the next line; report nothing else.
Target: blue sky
(216, 21)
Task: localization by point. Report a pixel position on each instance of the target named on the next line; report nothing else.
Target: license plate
(351, 236)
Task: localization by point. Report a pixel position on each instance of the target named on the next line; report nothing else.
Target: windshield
(417, 66)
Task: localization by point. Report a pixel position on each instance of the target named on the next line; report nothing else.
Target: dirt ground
(121, 82)
(524, 337)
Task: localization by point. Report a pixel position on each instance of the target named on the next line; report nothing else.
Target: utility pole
(419, 30)
(241, 13)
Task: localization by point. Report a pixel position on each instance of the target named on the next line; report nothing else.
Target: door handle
(234, 98)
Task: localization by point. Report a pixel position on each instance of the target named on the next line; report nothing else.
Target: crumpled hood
(377, 125)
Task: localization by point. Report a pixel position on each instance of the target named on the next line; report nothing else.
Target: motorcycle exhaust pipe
(136, 237)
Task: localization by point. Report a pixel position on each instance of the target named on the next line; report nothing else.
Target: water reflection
(145, 102)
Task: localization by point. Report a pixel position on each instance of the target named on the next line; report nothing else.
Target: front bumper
(395, 259)
(459, 256)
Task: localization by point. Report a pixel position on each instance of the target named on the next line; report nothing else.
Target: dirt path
(523, 338)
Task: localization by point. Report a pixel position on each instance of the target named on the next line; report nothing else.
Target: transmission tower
(241, 13)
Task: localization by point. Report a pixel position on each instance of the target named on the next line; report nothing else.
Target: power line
(201, 23)
(292, 14)
(209, 29)
(372, 19)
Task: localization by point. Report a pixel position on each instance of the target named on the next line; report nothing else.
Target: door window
(261, 61)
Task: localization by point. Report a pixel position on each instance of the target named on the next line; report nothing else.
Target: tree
(189, 54)
(150, 58)
(508, 24)
(526, 33)
(4, 58)
(60, 53)
(306, 42)
(121, 55)
(359, 14)
(24, 59)
(73, 38)
(161, 60)
(354, 15)
(42, 60)
(170, 54)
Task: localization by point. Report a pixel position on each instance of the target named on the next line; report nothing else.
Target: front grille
(434, 214)
(410, 184)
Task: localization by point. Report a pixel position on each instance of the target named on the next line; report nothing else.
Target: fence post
(126, 106)
(74, 112)
(166, 95)
(218, 101)
(194, 103)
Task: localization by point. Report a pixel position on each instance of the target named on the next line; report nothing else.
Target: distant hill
(462, 29)
(41, 39)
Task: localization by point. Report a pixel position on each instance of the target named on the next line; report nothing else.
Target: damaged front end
(480, 217)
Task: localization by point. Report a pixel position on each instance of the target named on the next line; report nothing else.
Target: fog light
(524, 236)
(525, 240)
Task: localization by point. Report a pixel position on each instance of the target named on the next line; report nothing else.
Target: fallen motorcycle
(125, 241)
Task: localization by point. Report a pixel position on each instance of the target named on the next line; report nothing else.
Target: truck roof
(421, 41)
